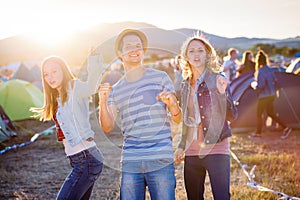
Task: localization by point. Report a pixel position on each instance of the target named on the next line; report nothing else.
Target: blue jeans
(87, 166)
(218, 168)
(158, 175)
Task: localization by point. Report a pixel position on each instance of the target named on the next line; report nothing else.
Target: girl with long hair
(66, 101)
(207, 106)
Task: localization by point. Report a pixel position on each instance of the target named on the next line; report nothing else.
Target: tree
(267, 48)
(283, 50)
(292, 52)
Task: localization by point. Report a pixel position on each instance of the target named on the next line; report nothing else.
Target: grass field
(37, 171)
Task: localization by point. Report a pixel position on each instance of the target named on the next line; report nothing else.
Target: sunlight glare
(54, 28)
(53, 34)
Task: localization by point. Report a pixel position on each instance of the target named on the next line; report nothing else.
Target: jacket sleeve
(94, 68)
(231, 111)
(275, 80)
(184, 131)
(182, 143)
(261, 80)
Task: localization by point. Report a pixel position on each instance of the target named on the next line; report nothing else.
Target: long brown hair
(261, 59)
(50, 95)
(212, 61)
(245, 59)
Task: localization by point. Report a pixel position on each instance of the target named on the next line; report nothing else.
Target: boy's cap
(125, 32)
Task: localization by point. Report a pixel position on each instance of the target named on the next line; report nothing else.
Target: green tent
(18, 96)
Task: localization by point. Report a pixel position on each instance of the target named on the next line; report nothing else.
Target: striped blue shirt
(144, 121)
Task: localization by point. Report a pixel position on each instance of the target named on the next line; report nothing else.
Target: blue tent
(7, 129)
(297, 55)
(286, 104)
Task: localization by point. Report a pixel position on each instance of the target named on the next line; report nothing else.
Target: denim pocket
(95, 168)
(164, 162)
(158, 164)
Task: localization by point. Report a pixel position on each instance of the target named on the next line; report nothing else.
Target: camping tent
(4, 133)
(286, 104)
(7, 129)
(17, 97)
(23, 73)
(36, 72)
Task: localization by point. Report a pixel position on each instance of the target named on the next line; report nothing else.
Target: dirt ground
(37, 171)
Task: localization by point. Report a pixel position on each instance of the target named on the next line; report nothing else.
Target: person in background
(66, 102)
(143, 98)
(207, 106)
(178, 76)
(6, 74)
(248, 65)
(265, 81)
(230, 65)
(111, 76)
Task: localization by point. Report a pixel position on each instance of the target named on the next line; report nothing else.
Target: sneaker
(286, 133)
(255, 135)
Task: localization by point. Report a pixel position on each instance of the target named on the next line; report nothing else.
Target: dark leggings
(266, 104)
(218, 168)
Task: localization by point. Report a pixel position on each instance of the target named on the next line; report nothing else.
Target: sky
(277, 19)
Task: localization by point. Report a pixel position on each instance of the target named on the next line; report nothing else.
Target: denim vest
(215, 110)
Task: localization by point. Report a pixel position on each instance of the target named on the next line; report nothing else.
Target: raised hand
(167, 98)
(104, 91)
(221, 84)
(93, 51)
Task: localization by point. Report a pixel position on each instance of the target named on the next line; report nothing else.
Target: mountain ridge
(74, 49)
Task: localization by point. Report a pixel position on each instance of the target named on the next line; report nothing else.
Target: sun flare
(54, 29)
(52, 35)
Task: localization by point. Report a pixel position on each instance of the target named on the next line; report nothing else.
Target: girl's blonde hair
(212, 60)
(46, 112)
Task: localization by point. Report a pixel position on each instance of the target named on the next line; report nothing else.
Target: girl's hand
(93, 52)
(254, 85)
(221, 84)
(179, 155)
(167, 98)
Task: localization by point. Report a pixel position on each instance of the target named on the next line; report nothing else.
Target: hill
(74, 49)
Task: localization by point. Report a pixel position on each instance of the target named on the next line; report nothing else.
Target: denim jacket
(266, 82)
(73, 117)
(215, 110)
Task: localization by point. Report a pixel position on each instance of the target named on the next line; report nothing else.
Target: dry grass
(38, 170)
(277, 165)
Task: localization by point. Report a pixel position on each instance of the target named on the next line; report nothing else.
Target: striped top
(144, 122)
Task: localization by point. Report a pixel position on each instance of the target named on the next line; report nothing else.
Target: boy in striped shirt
(143, 98)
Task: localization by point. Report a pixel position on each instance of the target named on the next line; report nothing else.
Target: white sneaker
(286, 133)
